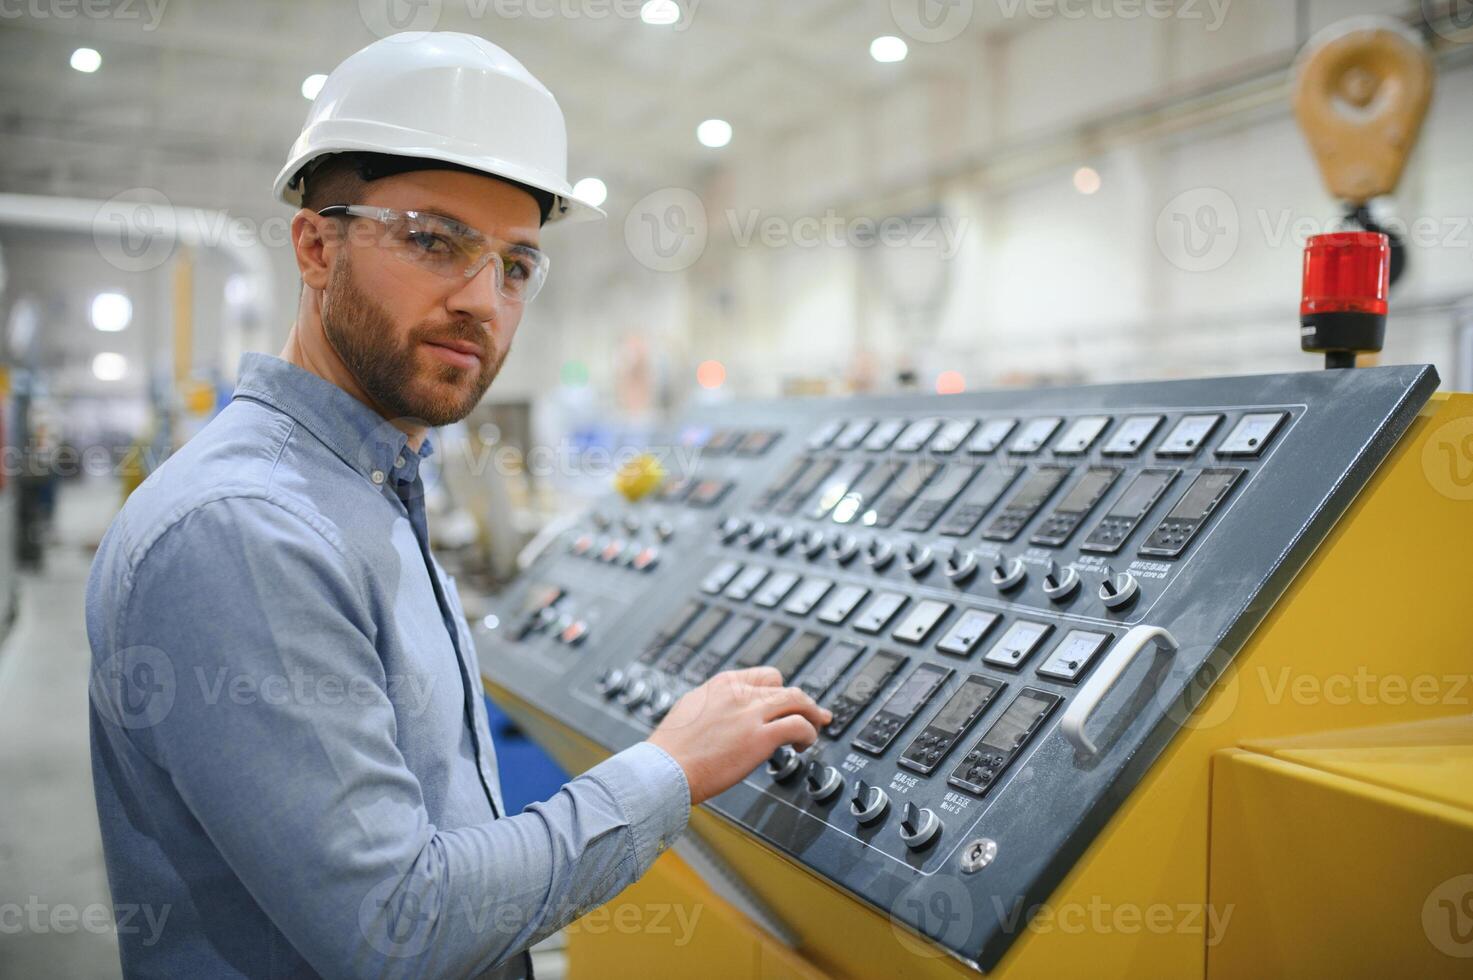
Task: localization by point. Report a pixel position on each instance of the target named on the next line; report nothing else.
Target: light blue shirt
(293, 766)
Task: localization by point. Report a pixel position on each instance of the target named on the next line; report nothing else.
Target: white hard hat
(454, 98)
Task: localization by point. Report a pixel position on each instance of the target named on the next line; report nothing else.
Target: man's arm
(312, 804)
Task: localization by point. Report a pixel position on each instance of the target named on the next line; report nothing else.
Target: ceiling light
(311, 85)
(108, 366)
(660, 13)
(714, 133)
(111, 311)
(888, 49)
(591, 190)
(86, 60)
(1086, 180)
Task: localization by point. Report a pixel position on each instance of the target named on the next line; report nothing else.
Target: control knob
(812, 544)
(868, 803)
(917, 559)
(782, 539)
(878, 553)
(918, 826)
(1118, 590)
(822, 781)
(960, 565)
(611, 682)
(784, 764)
(843, 548)
(1059, 583)
(1008, 573)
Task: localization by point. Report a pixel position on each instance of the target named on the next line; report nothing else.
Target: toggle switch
(1060, 582)
(917, 559)
(878, 553)
(919, 826)
(822, 781)
(869, 803)
(1118, 590)
(1008, 573)
(784, 764)
(960, 565)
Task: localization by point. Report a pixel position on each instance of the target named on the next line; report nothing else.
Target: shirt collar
(361, 437)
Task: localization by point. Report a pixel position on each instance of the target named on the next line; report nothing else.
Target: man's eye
(519, 269)
(429, 242)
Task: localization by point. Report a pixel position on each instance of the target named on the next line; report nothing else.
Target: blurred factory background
(817, 197)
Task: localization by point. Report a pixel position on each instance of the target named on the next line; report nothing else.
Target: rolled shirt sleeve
(310, 801)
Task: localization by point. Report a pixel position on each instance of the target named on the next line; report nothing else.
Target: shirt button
(377, 476)
(399, 461)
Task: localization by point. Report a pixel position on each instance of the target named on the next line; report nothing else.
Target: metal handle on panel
(1104, 678)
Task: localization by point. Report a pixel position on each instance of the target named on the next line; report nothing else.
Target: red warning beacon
(1342, 311)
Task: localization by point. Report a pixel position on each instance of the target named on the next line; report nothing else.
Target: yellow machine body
(1277, 834)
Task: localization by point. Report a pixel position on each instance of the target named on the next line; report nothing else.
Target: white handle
(1104, 678)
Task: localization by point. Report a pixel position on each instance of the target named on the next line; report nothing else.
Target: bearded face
(414, 374)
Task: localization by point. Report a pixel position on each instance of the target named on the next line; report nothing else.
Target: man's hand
(725, 728)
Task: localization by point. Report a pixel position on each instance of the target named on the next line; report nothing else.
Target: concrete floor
(51, 870)
(55, 914)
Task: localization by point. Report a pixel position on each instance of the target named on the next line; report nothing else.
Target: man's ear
(314, 247)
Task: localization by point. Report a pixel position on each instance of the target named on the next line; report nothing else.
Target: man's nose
(478, 297)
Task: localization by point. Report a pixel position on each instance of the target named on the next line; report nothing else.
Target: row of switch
(919, 827)
(640, 692)
(640, 556)
(1248, 437)
(1007, 574)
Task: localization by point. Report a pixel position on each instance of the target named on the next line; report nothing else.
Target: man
(293, 767)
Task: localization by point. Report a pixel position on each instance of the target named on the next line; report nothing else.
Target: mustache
(463, 331)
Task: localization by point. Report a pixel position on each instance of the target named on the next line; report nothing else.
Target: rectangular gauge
(862, 688)
(865, 491)
(953, 433)
(668, 632)
(1081, 434)
(787, 477)
(1132, 435)
(1034, 433)
(1181, 524)
(828, 668)
(1072, 657)
(916, 435)
(1058, 526)
(835, 486)
(1188, 435)
(964, 636)
(1251, 436)
(1127, 512)
(723, 644)
(768, 639)
(952, 481)
(990, 436)
(805, 485)
(952, 722)
(1018, 643)
(1003, 741)
(1031, 496)
(910, 482)
(914, 694)
(798, 653)
(992, 484)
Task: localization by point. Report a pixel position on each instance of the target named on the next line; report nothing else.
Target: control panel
(1010, 601)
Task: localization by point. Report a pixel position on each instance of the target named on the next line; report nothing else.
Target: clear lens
(453, 251)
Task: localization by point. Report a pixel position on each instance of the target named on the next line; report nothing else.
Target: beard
(389, 369)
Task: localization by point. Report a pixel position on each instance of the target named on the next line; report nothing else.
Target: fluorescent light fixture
(714, 133)
(888, 49)
(660, 13)
(109, 366)
(311, 85)
(86, 60)
(592, 190)
(111, 312)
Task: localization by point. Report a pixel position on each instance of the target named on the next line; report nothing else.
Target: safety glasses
(452, 250)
